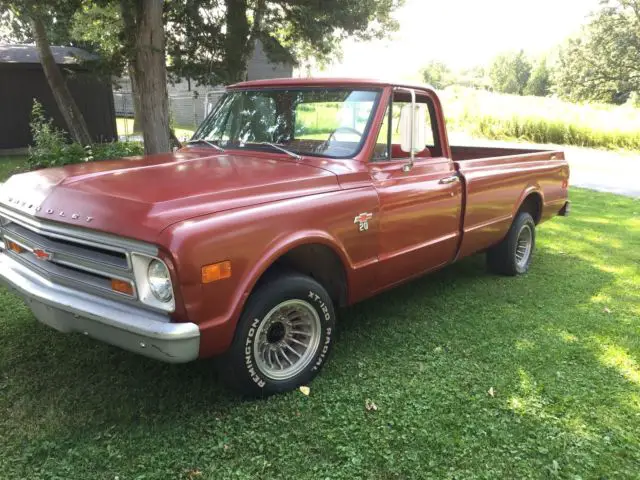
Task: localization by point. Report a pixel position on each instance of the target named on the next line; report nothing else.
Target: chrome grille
(72, 256)
(69, 252)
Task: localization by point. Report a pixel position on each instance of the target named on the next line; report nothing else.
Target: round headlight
(159, 281)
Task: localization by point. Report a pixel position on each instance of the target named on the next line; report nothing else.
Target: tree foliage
(98, 27)
(15, 20)
(510, 72)
(539, 84)
(438, 74)
(603, 62)
(211, 41)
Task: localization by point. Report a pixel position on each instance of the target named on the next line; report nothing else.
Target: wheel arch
(315, 254)
(531, 201)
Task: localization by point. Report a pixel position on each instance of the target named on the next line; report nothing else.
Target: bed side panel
(496, 187)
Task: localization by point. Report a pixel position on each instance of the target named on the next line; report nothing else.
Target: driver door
(420, 207)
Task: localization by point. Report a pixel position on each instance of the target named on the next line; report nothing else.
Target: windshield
(310, 121)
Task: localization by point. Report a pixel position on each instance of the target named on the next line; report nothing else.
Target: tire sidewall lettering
(252, 371)
(325, 314)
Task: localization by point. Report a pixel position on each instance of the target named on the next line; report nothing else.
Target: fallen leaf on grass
(305, 390)
(370, 406)
(491, 392)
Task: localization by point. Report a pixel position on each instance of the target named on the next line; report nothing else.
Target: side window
(381, 151)
(390, 150)
(430, 122)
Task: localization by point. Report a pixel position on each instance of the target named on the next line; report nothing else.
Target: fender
(217, 334)
(532, 188)
(285, 245)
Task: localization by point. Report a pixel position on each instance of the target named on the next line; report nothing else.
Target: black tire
(239, 368)
(503, 257)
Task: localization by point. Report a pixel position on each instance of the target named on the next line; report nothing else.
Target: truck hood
(138, 197)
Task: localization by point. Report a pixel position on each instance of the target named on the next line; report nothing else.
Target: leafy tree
(15, 24)
(539, 83)
(510, 72)
(474, 77)
(211, 41)
(37, 21)
(129, 33)
(603, 62)
(99, 28)
(437, 74)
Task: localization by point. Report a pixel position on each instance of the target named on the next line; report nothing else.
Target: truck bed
(497, 180)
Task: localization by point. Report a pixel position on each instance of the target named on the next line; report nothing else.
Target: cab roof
(323, 82)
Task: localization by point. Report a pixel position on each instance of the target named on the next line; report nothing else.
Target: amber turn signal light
(121, 286)
(216, 271)
(14, 246)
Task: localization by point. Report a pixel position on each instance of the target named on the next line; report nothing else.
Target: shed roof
(29, 54)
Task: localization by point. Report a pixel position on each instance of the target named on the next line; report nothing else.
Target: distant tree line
(601, 63)
(509, 72)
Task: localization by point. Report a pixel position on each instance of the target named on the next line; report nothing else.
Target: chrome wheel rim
(287, 339)
(524, 245)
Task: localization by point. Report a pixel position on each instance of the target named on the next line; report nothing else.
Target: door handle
(447, 180)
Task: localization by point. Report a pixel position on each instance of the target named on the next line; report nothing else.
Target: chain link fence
(187, 110)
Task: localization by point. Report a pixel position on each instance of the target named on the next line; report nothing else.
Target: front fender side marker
(216, 271)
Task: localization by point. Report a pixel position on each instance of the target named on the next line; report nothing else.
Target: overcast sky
(463, 33)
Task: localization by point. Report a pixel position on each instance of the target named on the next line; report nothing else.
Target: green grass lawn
(560, 347)
(10, 164)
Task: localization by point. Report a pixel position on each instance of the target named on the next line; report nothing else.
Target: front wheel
(283, 338)
(513, 255)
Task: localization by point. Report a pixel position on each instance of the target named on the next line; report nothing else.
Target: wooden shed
(22, 79)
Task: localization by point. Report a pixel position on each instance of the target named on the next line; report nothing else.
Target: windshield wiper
(282, 149)
(202, 140)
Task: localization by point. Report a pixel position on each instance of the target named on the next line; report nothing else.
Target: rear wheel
(283, 337)
(513, 255)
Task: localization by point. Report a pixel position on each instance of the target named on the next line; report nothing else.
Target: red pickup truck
(294, 197)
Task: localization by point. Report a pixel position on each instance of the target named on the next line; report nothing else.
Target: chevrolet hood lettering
(154, 192)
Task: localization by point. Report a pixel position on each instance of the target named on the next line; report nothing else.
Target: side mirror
(419, 127)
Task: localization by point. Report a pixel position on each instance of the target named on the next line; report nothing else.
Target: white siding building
(189, 102)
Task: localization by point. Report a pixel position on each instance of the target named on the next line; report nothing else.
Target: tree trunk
(67, 105)
(150, 76)
(135, 96)
(128, 13)
(237, 40)
(145, 50)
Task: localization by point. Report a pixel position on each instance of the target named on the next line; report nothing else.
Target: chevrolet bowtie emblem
(42, 254)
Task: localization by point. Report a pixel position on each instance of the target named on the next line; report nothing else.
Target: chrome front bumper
(67, 310)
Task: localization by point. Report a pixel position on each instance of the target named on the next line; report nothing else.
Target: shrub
(51, 147)
(106, 151)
